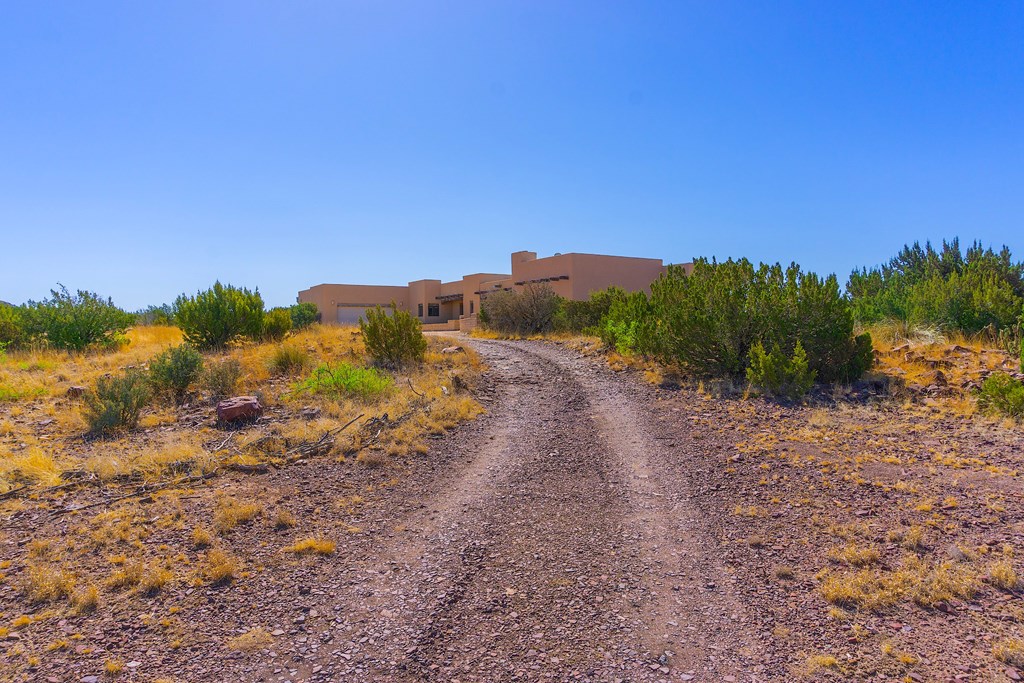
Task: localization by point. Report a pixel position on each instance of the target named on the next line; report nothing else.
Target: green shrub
(778, 375)
(943, 288)
(13, 332)
(303, 315)
(531, 310)
(393, 340)
(1002, 394)
(220, 315)
(175, 370)
(77, 321)
(287, 360)
(220, 379)
(116, 401)
(587, 316)
(707, 321)
(630, 324)
(276, 324)
(347, 380)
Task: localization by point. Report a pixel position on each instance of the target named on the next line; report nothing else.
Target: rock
(239, 408)
(453, 349)
(90, 679)
(1013, 675)
(75, 392)
(310, 413)
(936, 378)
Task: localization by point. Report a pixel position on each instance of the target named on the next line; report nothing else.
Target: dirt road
(555, 546)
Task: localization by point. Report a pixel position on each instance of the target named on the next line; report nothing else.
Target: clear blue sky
(149, 148)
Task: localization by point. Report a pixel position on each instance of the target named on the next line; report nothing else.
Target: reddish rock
(76, 392)
(239, 408)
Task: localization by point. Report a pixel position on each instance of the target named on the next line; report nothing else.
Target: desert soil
(585, 528)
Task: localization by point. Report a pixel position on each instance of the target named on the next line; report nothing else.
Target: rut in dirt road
(560, 551)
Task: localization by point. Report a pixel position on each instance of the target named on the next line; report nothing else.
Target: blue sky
(147, 149)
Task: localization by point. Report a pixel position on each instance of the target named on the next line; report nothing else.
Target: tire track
(561, 551)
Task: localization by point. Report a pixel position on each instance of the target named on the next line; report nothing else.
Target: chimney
(522, 257)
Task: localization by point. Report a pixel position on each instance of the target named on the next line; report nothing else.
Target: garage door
(350, 315)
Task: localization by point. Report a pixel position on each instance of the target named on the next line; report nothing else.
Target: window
(471, 307)
(433, 310)
(420, 311)
(461, 310)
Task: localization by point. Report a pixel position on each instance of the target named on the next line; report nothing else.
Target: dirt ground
(589, 527)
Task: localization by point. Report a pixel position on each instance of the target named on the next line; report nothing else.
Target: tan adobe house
(455, 305)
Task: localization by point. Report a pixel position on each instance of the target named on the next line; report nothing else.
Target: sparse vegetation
(288, 359)
(175, 370)
(532, 310)
(347, 380)
(220, 378)
(116, 402)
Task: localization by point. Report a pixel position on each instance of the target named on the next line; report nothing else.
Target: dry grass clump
(854, 555)
(178, 454)
(113, 667)
(229, 513)
(202, 537)
(153, 580)
(1010, 651)
(1002, 575)
(30, 465)
(253, 639)
(85, 600)
(284, 519)
(911, 538)
(45, 582)
(149, 579)
(926, 584)
(221, 568)
(906, 658)
(816, 663)
(318, 546)
(785, 573)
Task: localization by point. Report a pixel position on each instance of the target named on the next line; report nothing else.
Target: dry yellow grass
(221, 567)
(85, 600)
(284, 519)
(253, 639)
(854, 555)
(314, 545)
(201, 537)
(1002, 575)
(46, 582)
(925, 583)
(229, 513)
(1010, 651)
